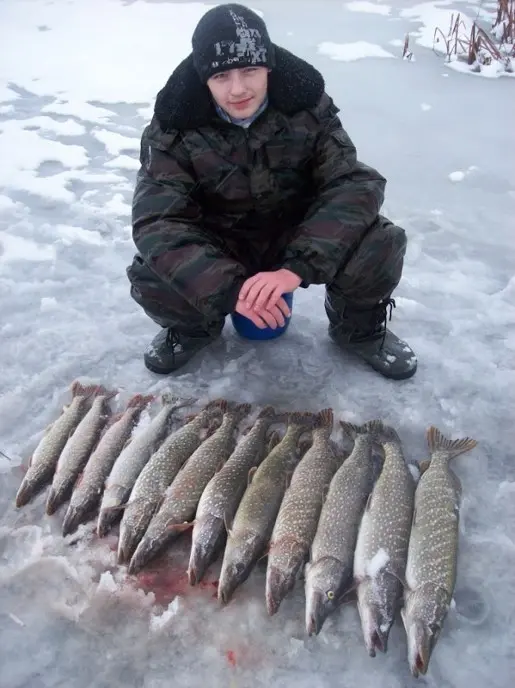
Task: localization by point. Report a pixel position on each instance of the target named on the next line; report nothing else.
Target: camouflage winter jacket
(215, 203)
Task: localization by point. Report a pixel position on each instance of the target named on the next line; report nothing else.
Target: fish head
(324, 581)
(207, 539)
(423, 616)
(376, 615)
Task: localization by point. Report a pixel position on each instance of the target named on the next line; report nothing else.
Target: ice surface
(115, 143)
(371, 7)
(73, 107)
(348, 52)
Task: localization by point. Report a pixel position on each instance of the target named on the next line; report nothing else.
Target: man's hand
(263, 292)
(273, 318)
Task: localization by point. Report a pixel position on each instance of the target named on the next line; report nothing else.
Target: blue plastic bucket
(246, 328)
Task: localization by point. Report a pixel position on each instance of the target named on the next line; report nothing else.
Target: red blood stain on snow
(169, 580)
(244, 655)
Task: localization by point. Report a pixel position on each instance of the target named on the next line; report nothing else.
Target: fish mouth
(278, 585)
(226, 591)
(197, 565)
(53, 502)
(207, 539)
(193, 577)
(24, 494)
(146, 550)
(232, 577)
(318, 608)
(420, 645)
(70, 521)
(377, 641)
(375, 629)
(126, 547)
(106, 520)
(419, 665)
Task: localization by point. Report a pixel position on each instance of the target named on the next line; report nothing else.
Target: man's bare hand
(263, 292)
(265, 318)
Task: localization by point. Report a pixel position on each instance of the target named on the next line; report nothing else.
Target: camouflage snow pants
(369, 276)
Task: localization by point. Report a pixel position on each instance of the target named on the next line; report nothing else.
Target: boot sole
(160, 371)
(399, 376)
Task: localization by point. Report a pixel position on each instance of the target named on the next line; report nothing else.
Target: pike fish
(433, 549)
(157, 475)
(88, 490)
(130, 462)
(382, 543)
(329, 572)
(223, 493)
(297, 520)
(250, 533)
(46, 455)
(78, 449)
(181, 498)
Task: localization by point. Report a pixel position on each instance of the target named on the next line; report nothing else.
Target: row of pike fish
(387, 540)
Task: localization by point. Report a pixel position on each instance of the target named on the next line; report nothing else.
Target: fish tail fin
(267, 412)
(351, 430)
(217, 405)
(438, 442)
(241, 410)
(324, 419)
(375, 428)
(139, 401)
(176, 402)
(103, 391)
(381, 432)
(305, 418)
(80, 390)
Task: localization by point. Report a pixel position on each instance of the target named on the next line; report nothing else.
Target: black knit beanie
(228, 37)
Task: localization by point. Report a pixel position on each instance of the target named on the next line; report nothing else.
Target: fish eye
(330, 595)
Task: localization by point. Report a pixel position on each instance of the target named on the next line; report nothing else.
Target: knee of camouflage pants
(373, 271)
(165, 306)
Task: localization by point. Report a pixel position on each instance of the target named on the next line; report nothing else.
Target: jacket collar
(185, 102)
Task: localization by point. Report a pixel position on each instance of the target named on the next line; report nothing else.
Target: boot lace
(173, 341)
(384, 315)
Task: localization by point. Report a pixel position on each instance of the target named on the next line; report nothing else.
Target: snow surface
(77, 84)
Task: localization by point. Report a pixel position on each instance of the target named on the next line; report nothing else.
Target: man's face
(239, 92)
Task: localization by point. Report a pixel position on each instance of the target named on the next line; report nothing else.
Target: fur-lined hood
(185, 102)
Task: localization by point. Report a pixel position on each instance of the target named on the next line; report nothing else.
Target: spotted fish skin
(46, 455)
(88, 491)
(130, 462)
(157, 475)
(297, 520)
(250, 533)
(433, 549)
(77, 451)
(382, 542)
(329, 572)
(181, 498)
(223, 493)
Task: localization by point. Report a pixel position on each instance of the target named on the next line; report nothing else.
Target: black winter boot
(170, 350)
(364, 333)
